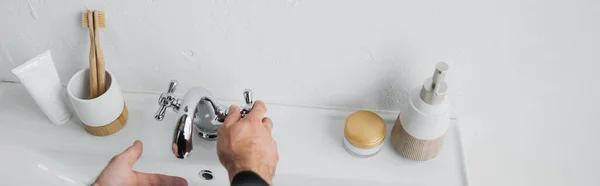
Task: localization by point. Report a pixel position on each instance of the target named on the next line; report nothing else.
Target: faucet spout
(182, 139)
(192, 105)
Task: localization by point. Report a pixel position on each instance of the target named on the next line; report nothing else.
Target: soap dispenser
(418, 133)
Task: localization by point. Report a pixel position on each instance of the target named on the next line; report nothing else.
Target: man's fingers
(233, 116)
(268, 122)
(258, 111)
(131, 154)
(159, 180)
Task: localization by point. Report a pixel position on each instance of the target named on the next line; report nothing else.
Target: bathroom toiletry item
(418, 133)
(99, 23)
(41, 80)
(87, 21)
(364, 133)
(103, 115)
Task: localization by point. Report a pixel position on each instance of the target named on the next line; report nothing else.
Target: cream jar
(364, 133)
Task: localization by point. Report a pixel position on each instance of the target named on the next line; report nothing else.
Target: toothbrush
(87, 22)
(99, 22)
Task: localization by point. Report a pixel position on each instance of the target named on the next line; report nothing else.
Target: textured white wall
(522, 72)
(341, 53)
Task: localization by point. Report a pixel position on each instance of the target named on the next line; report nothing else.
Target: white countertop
(309, 142)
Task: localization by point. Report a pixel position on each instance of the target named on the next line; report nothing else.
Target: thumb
(131, 154)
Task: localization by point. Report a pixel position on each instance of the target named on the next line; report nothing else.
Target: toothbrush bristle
(101, 19)
(84, 19)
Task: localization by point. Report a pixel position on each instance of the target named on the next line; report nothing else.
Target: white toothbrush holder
(103, 115)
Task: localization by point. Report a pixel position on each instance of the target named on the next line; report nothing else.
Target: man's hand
(246, 144)
(119, 171)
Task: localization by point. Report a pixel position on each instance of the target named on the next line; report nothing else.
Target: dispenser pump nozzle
(434, 89)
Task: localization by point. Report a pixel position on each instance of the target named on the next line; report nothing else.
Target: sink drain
(206, 174)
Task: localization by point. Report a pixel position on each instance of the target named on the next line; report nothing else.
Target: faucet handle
(249, 102)
(248, 97)
(172, 86)
(160, 114)
(167, 99)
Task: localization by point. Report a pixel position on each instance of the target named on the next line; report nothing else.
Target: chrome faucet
(196, 110)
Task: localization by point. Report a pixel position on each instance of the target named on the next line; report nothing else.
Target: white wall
(521, 71)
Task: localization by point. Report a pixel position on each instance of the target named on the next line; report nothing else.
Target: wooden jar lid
(365, 129)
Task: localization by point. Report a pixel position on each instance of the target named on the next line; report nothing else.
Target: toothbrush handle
(93, 70)
(100, 57)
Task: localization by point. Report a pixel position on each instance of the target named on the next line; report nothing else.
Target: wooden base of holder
(110, 128)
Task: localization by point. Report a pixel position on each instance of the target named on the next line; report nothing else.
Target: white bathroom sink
(35, 152)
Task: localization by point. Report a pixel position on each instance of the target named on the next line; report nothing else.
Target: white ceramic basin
(26, 166)
(35, 152)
